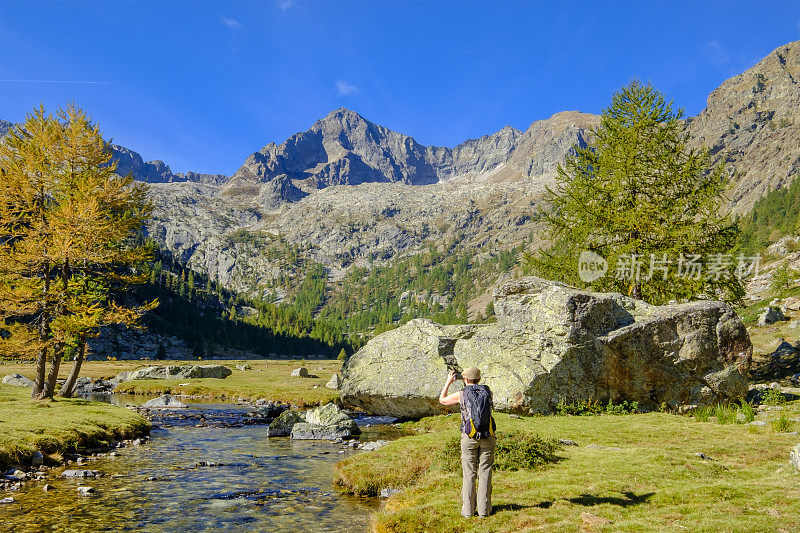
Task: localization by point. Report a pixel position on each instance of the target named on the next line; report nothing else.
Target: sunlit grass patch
(642, 472)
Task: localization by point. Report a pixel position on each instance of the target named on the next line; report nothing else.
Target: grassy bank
(270, 379)
(59, 426)
(628, 473)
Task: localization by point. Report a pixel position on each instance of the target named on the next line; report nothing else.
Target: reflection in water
(256, 484)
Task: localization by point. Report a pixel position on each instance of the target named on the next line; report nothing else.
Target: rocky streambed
(205, 467)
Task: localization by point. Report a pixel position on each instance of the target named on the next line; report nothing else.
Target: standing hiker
(477, 440)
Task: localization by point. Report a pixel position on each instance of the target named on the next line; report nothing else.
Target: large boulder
(18, 380)
(552, 342)
(177, 372)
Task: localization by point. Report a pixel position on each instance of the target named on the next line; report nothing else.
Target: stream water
(255, 484)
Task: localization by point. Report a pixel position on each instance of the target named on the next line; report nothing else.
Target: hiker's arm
(449, 399)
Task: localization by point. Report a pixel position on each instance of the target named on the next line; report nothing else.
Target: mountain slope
(752, 125)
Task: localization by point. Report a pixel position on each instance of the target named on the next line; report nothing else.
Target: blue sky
(201, 85)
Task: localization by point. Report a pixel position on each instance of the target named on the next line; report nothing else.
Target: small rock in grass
(794, 457)
(771, 315)
(334, 383)
(10, 499)
(385, 493)
(85, 491)
(515, 416)
(567, 442)
(703, 456)
(758, 423)
(47, 487)
(243, 367)
(301, 372)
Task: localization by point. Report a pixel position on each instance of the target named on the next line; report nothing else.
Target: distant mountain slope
(752, 125)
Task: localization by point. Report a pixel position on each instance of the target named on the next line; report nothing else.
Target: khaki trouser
(477, 458)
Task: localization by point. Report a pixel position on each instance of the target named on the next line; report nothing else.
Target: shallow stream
(255, 484)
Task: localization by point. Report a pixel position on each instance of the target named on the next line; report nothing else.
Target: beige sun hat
(471, 373)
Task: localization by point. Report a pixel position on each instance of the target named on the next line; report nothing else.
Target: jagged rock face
(346, 149)
(130, 162)
(554, 342)
(752, 125)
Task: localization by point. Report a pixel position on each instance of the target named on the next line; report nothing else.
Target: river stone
(373, 445)
(37, 459)
(552, 342)
(80, 473)
(771, 315)
(176, 372)
(164, 402)
(794, 457)
(18, 380)
(334, 383)
(301, 372)
(282, 426)
(326, 415)
(341, 430)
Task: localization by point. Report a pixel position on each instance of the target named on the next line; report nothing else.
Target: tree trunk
(41, 361)
(52, 377)
(68, 389)
(58, 350)
(44, 338)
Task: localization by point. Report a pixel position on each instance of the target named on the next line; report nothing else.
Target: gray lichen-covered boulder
(306, 431)
(177, 372)
(325, 422)
(18, 380)
(282, 426)
(554, 342)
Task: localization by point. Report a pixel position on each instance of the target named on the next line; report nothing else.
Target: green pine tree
(638, 192)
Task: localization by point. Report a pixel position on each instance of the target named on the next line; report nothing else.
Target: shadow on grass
(518, 507)
(629, 499)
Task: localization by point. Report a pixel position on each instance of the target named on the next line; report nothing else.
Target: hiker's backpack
(477, 420)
